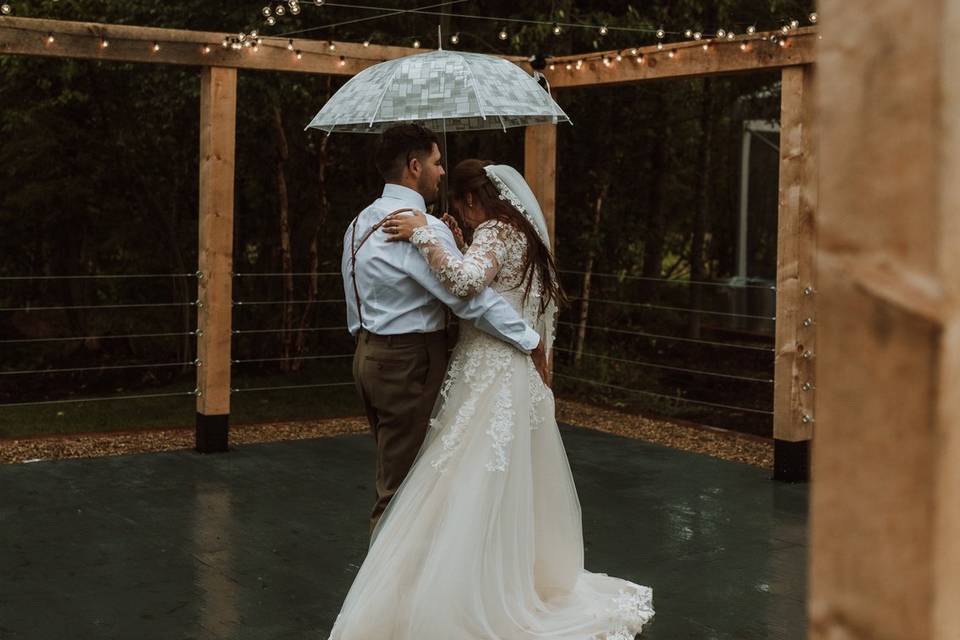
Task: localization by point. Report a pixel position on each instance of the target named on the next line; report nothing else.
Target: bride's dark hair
(470, 177)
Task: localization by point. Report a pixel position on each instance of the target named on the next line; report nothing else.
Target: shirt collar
(406, 195)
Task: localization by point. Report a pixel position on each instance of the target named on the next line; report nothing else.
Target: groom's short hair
(398, 144)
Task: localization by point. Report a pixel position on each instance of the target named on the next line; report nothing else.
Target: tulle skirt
(483, 540)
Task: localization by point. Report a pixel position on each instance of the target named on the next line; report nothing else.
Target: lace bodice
(494, 259)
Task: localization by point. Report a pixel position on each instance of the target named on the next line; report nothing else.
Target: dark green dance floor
(262, 543)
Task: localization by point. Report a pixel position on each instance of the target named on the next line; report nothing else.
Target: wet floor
(262, 543)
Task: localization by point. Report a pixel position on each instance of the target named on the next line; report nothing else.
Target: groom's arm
(487, 310)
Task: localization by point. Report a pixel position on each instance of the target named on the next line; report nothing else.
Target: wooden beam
(218, 119)
(30, 36)
(689, 59)
(794, 379)
(540, 170)
(885, 499)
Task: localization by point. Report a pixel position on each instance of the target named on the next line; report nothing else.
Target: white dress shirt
(399, 292)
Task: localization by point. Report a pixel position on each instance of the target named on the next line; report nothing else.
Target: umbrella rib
(383, 94)
(476, 89)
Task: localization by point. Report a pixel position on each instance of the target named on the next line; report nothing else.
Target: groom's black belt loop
(355, 248)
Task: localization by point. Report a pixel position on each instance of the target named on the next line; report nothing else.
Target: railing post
(794, 380)
(218, 112)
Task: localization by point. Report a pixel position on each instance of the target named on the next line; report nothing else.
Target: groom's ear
(414, 165)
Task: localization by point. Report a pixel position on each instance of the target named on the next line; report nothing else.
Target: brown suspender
(355, 248)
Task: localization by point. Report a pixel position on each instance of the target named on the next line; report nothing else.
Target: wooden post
(885, 522)
(540, 170)
(218, 114)
(794, 380)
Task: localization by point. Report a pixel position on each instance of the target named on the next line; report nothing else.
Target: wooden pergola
(794, 386)
(882, 229)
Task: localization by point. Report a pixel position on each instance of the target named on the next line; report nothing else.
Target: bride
(483, 539)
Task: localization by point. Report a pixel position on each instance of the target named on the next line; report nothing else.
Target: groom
(395, 309)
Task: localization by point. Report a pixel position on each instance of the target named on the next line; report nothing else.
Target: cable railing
(673, 281)
(664, 367)
(658, 336)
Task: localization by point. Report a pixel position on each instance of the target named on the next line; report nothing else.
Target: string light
(503, 34)
(639, 59)
(743, 46)
(299, 55)
(634, 52)
(619, 57)
(556, 29)
(416, 44)
(279, 10)
(721, 33)
(104, 43)
(206, 48)
(751, 30)
(50, 38)
(5, 9)
(672, 53)
(661, 33)
(319, 3)
(603, 30)
(569, 66)
(331, 46)
(813, 18)
(688, 33)
(659, 46)
(271, 21)
(785, 29)
(697, 35)
(290, 46)
(266, 12)
(730, 35)
(294, 8)
(226, 43)
(794, 24)
(366, 43)
(606, 61)
(455, 38)
(553, 67)
(343, 61)
(156, 47)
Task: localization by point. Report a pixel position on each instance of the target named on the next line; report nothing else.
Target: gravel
(687, 437)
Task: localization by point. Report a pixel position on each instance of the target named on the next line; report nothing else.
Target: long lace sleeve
(464, 276)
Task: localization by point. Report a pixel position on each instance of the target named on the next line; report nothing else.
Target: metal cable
(295, 386)
(666, 397)
(102, 277)
(245, 331)
(668, 367)
(299, 273)
(111, 337)
(103, 368)
(658, 336)
(647, 305)
(262, 302)
(136, 397)
(670, 280)
(103, 306)
(324, 357)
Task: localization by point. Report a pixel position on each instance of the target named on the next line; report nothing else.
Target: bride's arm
(470, 274)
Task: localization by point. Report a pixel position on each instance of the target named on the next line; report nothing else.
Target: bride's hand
(454, 226)
(400, 226)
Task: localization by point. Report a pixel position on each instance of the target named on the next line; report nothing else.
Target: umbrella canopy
(444, 90)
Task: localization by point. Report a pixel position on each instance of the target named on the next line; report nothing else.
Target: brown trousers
(398, 378)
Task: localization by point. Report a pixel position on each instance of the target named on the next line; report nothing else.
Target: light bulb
(206, 48)
(794, 24)
(319, 3)
(619, 57)
(785, 29)
(5, 9)
(606, 61)
(455, 38)
(661, 33)
(295, 9)
(743, 46)
(721, 33)
(266, 11)
(556, 29)
(569, 66)
(705, 46)
(783, 43)
(659, 46)
(416, 44)
(290, 45)
(156, 47)
(813, 18)
(633, 52)
(299, 55)
(104, 43)
(271, 21)
(503, 34)
(280, 10)
(672, 53)
(343, 61)
(603, 30)
(553, 67)
(751, 30)
(688, 33)
(639, 59)
(331, 45)
(697, 35)
(226, 43)
(366, 43)
(50, 38)
(730, 35)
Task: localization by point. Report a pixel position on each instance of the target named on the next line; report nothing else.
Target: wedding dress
(483, 540)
